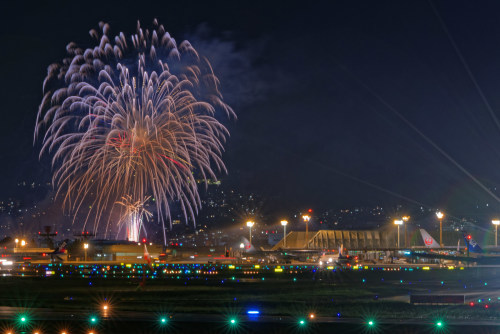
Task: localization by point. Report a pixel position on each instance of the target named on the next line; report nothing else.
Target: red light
(486, 306)
(469, 237)
(26, 258)
(310, 210)
(471, 303)
(144, 240)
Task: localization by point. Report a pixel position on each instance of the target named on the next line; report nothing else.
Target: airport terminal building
(333, 239)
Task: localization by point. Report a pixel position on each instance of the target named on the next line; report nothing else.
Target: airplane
(431, 243)
(35, 254)
(338, 258)
(478, 254)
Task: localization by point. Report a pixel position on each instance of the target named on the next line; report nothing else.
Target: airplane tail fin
(429, 241)
(147, 257)
(472, 244)
(61, 248)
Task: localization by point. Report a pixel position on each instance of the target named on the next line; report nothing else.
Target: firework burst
(132, 117)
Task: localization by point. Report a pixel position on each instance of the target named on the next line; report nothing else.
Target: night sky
(339, 103)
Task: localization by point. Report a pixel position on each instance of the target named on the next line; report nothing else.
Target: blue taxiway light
(253, 312)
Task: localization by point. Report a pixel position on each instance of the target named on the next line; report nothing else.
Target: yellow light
(426, 268)
(405, 218)
(329, 267)
(105, 307)
(231, 267)
(311, 315)
(278, 270)
(257, 266)
(451, 267)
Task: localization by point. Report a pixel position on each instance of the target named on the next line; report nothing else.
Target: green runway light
(233, 321)
(302, 322)
(163, 320)
(371, 323)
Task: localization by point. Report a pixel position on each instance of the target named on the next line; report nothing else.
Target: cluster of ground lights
(176, 271)
(24, 322)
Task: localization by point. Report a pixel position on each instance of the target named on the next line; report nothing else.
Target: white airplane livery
(429, 241)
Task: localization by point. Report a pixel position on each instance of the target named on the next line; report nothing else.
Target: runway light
(371, 323)
(302, 322)
(163, 320)
(105, 307)
(439, 324)
(232, 321)
(311, 316)
(93, 320)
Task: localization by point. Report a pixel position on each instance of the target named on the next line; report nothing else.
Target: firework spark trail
(420, 133)
(466, 65)
(132, 117)
(134, 215)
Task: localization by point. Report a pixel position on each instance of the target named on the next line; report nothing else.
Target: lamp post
(397, 223)
(496, 222)
(440, 216)
(284, 223)
(406, 219)
(306, 219)
(85, 247)
(250, 224)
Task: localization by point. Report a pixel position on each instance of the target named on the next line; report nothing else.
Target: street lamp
(440, 216)
(85, 246)
(284, 223)
(250, 224)
(406, 219)
(23, 243)
(398, 222)
(496, 222)
(306, 219)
